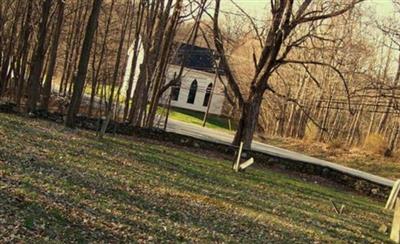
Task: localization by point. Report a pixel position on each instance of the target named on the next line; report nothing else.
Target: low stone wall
(358, 184)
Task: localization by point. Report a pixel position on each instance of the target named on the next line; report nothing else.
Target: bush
(375, 143)
(336, 143)
(311, 133)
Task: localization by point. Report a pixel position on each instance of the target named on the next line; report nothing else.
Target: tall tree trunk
(38, 58)
(79, 82)
(139, 99)
(163, 62)
(139, 22)
(248, 120)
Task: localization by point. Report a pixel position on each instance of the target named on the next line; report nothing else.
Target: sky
(382, 7)
(255, 7)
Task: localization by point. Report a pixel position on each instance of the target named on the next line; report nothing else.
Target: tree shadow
(176, 210)
(193, 177)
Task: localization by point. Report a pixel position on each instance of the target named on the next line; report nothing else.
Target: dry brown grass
(311, 133)
(368, 158)
(336, 144)
(375, 143)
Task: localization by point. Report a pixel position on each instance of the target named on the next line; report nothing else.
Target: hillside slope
(62, 185)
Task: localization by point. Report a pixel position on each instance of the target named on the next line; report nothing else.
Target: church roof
(195, 57)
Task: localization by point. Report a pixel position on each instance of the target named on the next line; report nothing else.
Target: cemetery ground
(66, 185)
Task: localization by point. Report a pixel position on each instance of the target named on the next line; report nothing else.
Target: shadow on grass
(94, 181)
(162, 206)
(128, 185)
(39, 221)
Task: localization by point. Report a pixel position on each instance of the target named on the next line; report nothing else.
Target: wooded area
(315, 82)
(323, 70)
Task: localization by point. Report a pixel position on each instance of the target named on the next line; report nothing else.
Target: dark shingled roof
(195, 57)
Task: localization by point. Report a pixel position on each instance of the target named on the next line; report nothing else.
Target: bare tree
(286, 18)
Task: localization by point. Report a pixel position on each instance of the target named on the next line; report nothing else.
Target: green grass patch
(58, 185)
(195, 117)
(107, 90)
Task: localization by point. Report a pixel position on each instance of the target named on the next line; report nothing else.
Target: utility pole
(169, 103)
(212, 91)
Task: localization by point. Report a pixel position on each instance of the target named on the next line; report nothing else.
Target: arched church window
(192, 92)
(208, 95)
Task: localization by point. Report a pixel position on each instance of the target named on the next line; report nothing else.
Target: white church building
(198, 79)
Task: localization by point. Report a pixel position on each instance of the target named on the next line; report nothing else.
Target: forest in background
(321, 70)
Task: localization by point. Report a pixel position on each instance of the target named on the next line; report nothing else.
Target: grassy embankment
(61, 185)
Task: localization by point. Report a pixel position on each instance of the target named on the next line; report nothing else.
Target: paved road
(226, 138)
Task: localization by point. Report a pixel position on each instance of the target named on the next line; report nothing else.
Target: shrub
(311, 133)
(336, 143)
(375, 143)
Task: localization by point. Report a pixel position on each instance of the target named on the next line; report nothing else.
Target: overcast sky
(382, 7)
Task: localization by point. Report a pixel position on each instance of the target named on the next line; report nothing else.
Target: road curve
(226, 138)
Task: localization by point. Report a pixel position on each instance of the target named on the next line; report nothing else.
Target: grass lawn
(194, 117)
(58, 185)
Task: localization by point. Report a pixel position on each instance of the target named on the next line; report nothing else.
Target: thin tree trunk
(385, 117)
(291, 124)
(109, 109)
(53, 55)
(75, 59)
(139, 22)
(5, 66)
(67, 52)
(156, 23)
(101, 59)
(24, 53)
(355, 125)
(324, 128)
(373, 118)
(393, 141)
(163, 62)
